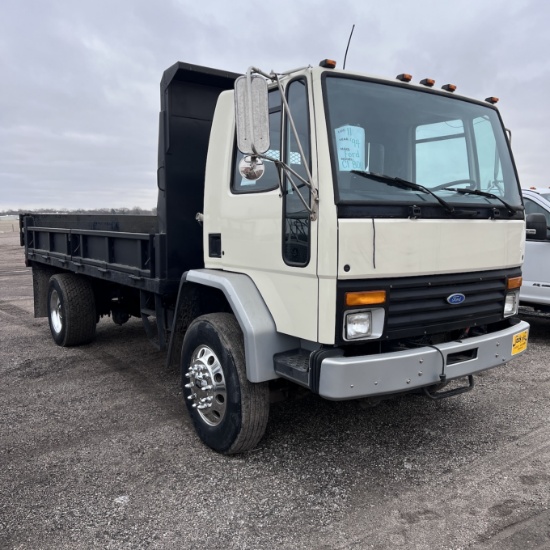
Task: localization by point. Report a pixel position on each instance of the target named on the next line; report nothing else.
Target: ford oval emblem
(455, 299)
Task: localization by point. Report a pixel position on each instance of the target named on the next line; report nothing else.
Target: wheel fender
(261, 339)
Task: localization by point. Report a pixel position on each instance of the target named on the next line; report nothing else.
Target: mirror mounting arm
(294, 131)
(309, 182)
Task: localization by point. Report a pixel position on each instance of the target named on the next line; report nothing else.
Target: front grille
(418, 305)
(424, 302)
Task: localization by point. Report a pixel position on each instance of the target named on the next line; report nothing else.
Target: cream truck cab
(378, 235)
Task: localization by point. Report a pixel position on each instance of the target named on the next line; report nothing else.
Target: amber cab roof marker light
(427, 82)
(404, 77)
(328, 64)
(492, 100)
(449, 87)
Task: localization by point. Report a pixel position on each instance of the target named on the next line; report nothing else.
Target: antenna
(347, 47)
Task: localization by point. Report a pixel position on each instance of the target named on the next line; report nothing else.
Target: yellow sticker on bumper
(519, 342)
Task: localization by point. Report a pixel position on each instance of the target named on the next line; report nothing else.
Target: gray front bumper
(364, 376)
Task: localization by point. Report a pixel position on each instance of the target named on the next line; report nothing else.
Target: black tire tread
(254, 396)
(79, 306)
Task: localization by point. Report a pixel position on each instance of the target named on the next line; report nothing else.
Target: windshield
(440, 143)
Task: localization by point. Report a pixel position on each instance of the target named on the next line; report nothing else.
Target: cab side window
(296, 222)
(270, 179)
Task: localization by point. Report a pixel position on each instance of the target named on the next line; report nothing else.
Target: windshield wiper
(511, 209)
(403, 184)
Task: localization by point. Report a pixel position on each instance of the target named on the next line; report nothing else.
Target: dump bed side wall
(125, 250)
(100, 222)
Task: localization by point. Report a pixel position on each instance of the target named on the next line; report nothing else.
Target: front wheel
(229, 413)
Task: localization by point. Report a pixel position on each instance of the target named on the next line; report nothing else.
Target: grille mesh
(422, 302)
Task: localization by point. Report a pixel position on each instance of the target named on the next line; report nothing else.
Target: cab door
(265, 229)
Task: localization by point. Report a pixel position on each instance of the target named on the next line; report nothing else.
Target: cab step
(293, 365)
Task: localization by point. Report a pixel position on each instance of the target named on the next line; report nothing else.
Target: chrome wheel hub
(207, 385)
(56, 313)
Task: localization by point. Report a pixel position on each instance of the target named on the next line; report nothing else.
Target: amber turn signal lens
(365, 298)
(514, 282)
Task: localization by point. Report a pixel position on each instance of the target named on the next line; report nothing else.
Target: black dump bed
(146, 252)
(121, 249)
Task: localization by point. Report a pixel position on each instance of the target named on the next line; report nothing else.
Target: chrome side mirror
(252, 114)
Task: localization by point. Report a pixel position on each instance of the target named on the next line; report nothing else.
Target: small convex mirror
(251, 168)
(252, 114)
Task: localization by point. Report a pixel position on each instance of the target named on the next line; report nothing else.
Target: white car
(535, 291)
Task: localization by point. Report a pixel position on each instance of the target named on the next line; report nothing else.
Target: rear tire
(229, 413)
(71, 310)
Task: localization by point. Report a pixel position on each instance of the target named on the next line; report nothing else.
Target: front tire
(71, 310)
(229, 413)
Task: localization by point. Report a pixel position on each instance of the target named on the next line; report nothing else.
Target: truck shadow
(404, 434)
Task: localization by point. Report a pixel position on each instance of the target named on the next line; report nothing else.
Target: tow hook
(435, 394)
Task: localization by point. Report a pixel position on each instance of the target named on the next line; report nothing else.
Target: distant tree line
(135, 211)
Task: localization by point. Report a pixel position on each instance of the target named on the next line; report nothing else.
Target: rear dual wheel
(71, 310)
(229, 413)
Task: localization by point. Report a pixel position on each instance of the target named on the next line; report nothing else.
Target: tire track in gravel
(111, 377)
(11, 309)
(497, 490)
(521, 535)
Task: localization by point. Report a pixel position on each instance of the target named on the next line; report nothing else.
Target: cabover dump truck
(317, 228)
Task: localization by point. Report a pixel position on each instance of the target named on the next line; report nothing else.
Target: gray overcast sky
(79, 84)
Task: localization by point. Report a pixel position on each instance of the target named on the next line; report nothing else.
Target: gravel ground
(97, 451)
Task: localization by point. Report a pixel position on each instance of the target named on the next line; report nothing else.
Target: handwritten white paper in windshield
(350, 147)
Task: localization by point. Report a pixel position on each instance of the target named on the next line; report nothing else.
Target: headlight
(511, 304)
(358, 325)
